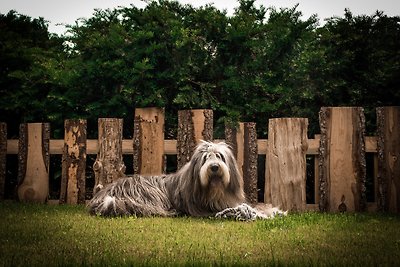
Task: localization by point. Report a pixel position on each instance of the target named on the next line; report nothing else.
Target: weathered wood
(193, 126)
(316, 173)
(286, 163)
(342, 167)
(148, 141)
(243, 141)
(3, 157)
(73, 162)
(109, 165)
(250, 157)
(57, 146)
(34, 159)
(388, 120)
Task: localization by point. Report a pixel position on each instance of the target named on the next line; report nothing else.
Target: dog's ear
(236, 179)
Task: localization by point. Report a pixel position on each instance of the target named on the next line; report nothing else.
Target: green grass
(66, 235)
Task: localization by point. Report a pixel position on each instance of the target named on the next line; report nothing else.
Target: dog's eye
(204, 158)
(220, 156)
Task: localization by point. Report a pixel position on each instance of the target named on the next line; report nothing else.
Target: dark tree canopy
(256, 64)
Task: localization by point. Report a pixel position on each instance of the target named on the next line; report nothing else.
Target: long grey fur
(194, 190)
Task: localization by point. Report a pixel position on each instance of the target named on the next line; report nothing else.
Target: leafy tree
(26, 52)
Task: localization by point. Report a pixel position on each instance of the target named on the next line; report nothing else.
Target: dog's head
(217, 169)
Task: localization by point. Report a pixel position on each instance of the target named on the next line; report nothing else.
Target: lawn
(55, 235)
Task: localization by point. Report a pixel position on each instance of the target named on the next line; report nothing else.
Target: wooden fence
(340, 156)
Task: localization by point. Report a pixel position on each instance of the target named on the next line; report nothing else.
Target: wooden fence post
(193, 125)
(3, 157)
(109, 165)
(243, 141)
(34, 159)
(148, 141)
(286, 163)
(342, 159)
(388, 121)
(74, 162)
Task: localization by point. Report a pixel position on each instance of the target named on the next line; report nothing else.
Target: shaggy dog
(209, 185)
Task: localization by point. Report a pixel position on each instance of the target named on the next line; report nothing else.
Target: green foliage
(256, 64)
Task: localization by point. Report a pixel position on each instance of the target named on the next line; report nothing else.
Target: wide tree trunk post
(342, 167)
(3, 157)
(34, 159)
(148, 141)
(109, 165)
(286, 163)
(73, 162)
(388, 121)
(243, 141)
(193, 126)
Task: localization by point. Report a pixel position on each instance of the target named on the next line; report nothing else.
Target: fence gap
(286, 167)
(148, 141)
(74, 162)
(342, 159)
(388, 120)
(193, 126)
(109, 164)
(3, 158)
(34, 159)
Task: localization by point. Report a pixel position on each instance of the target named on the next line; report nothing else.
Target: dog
(210, 184)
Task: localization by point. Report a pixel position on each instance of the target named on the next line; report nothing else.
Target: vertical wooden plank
(286, 157)
(234, 138)
(74, 162)
(148, 141)
(342, 159)
(34, 159)
(250, 156)
(3, 157)
(316, 176)
(388, 120)
(243, 140)
(193, 126)
(109, 165)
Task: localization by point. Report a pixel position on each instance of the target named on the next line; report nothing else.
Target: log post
(109, 165)
(193, 126)
(388, 121)
(148, 141)
(316, 176)
(342, 167)
(3, 157)
(243, 141)
(34, 159)
(286, 163)
(73, 162)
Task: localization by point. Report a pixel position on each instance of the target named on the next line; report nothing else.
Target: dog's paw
(243, 212)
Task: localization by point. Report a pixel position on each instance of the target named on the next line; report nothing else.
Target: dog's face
(214, 171)
(215, 182)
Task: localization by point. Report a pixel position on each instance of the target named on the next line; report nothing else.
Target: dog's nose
(214, 167)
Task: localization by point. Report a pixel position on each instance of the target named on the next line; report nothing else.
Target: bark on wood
(3, 157)
(34, 159)
(193, 126)
(250, 157)
(342, 167)
(388, 120)
(73, 162)
(148, 141)
(109, 165)
(286, 157)
(243, 141)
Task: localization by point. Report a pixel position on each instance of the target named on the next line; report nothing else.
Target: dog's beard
(214, 183)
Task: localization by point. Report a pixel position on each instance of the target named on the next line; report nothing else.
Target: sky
(61, 12)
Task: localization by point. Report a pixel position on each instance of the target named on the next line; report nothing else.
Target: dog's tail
(135, 195)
